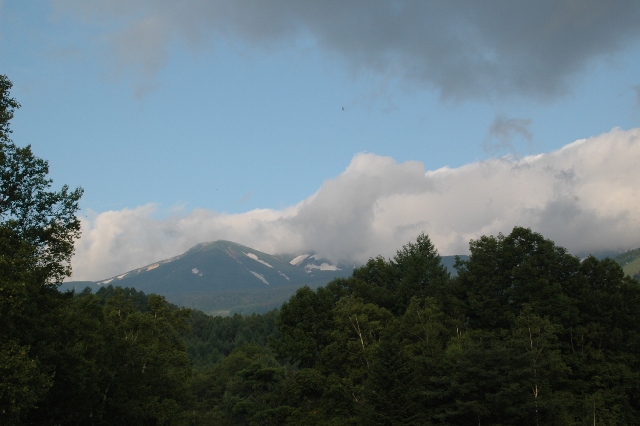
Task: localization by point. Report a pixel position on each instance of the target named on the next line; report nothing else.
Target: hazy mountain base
(216, 303)
(234, 302)
(630, 262)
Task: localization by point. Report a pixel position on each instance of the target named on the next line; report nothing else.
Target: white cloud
(585, 196)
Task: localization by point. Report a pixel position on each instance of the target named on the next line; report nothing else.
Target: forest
(524, 334)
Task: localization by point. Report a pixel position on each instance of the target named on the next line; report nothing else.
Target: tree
(355, 338)
(144, 363)
(7, 107)
(40, 217)
(524, 286)
(504, 273)
(252, 394)
(37, 229)
(415, 270)
(400, 384)
(305, 322)
(421, 272)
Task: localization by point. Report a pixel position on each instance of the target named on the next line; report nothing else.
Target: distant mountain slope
(223, 266)
(630, 262)
(223, 277)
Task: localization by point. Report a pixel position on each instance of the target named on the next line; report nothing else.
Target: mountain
(630, 262)
(222, 277)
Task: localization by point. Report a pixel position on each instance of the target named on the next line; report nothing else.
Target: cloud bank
(464, 49)
(585, 196)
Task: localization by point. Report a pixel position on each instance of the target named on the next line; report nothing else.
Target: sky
(345, 128)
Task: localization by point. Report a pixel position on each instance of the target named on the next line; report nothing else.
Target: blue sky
(210, 119)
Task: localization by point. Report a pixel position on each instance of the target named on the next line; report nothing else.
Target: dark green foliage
(420, 272)
(399, 383)
(210, 339)
(111, 363)
(29, 211)
(251, 395)
(305, 321)
(416, 270)
(37, 229)
(8, 106)
(504, 273)
(524, 334)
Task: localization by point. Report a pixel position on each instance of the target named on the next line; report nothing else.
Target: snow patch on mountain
(154, 266)
(196, 272)
(298, 259)
(257, 259)
(260, 277)
(324, 266)
(284, 275)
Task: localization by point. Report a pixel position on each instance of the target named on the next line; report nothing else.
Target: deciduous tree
(38, 226)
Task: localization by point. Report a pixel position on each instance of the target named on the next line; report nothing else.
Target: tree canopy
(524, 334)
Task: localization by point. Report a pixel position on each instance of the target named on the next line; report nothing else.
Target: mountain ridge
(224, 277)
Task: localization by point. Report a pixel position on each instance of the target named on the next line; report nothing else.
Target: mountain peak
(222, 274)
